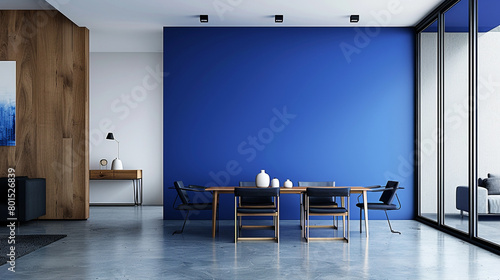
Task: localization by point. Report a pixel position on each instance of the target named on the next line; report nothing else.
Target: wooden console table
(134, 175)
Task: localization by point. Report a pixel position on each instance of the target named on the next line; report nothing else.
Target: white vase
(262, 179)
(288, 184)
(117, 164)
(275, 183)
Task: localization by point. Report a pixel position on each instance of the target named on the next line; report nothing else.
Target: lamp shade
(117, 163)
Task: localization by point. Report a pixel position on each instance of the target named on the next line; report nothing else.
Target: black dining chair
(316, 201)
(254, 201)
(385, 202)
(186, 204)
(318, 210)
(256, 210)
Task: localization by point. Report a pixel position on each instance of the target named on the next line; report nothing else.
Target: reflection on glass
(488, 133)
(456, 116)
(428, 121)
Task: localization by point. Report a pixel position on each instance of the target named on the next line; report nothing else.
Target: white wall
(126, 98)
(489, 103)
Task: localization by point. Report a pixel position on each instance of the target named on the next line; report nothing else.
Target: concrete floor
(488, 225)
(135, 243)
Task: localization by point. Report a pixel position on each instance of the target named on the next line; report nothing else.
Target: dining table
(218, 190)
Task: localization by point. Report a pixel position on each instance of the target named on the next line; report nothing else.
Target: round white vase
(262, 179)
(275, 183)
(288, 184)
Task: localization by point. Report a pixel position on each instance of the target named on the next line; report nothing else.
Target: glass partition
(428, 121)
(488, 142)
(456, 113)
(446, 70)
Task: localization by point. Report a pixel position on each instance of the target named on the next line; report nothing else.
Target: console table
(134, 175)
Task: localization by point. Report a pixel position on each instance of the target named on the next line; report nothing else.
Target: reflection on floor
(135, 243)
(488, 225)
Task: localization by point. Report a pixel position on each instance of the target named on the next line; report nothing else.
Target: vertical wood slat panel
(52, 106)
(81, 117)
(4, 35)
(67, 188)
(22, 48)
(66, 77)
(48, 100)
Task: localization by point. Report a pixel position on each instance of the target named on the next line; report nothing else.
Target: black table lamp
(117, 163)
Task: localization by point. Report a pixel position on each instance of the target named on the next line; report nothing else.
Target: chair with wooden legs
(339, 211)
(316, 201)
(256, 210)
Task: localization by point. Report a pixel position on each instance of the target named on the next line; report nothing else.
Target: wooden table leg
(365, 205)
(214, 211)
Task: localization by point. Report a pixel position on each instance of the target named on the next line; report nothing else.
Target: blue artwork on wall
(7, 103)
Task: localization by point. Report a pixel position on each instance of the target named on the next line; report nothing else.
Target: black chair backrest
(327, 192)
(247, 184)
(317, 184)
(389, 193)
(257, 192)
(182, 193)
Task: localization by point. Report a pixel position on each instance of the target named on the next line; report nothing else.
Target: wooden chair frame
(238, 217)
(345, 220)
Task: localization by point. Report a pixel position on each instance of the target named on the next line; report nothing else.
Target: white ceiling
(136, 25)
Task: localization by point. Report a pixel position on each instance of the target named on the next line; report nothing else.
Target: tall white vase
(262, 179)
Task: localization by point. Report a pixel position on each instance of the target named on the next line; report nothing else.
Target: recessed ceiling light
(278, 18)
(203, 18)
(354, 18)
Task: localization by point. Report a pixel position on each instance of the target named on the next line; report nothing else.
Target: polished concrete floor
(488, 225)
(135, 243)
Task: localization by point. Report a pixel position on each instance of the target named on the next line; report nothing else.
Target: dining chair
(385, 202)
(317, 210)
(186, 204)
(316, 201)
(256, 210)
(254, 201)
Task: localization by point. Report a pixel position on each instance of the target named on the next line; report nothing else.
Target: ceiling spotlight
(354, 18)
(203, 18)
(278, 18)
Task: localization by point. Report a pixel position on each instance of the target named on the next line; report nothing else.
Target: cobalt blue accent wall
(309, 104)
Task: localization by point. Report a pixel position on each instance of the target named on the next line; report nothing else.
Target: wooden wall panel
(52, 117)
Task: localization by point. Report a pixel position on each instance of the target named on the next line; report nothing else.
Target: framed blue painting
(7, 103)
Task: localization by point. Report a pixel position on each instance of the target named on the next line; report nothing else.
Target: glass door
(428, 85)
(488, 142)
(456, 115)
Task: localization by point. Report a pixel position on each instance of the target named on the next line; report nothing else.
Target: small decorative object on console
(288, 184)
(104, 163)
